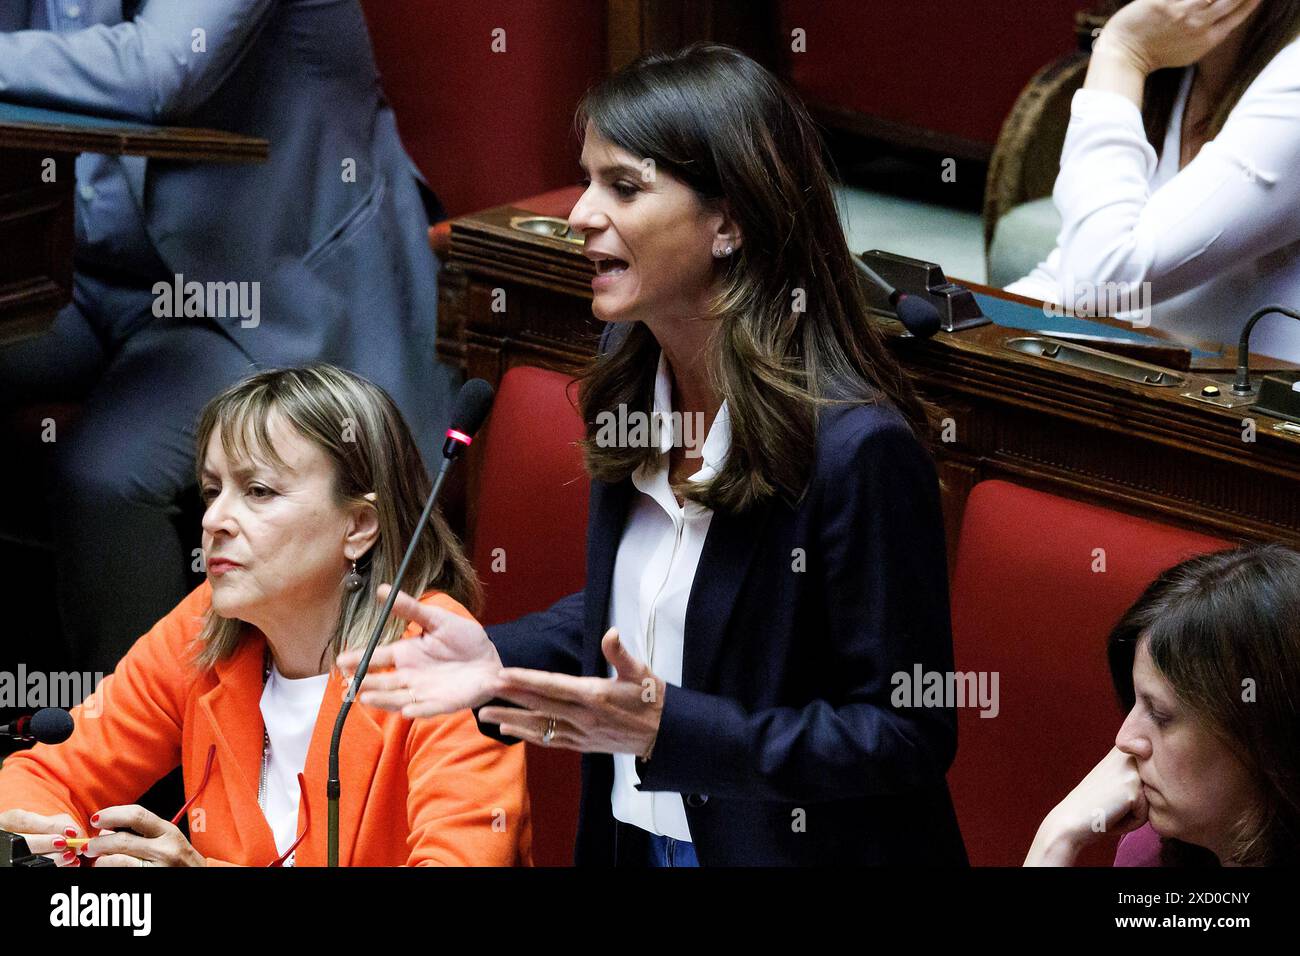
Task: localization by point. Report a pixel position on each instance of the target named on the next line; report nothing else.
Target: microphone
(473, 403)
(1242, 385)
(918, 315)
(47, 726)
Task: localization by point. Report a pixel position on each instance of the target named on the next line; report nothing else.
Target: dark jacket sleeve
(549, 640)
(880, 550)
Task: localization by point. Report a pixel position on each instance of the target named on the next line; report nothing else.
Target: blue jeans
(665, 851)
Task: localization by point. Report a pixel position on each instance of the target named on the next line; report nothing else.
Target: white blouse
(1216, 240)
(289, 710)
(653, 573)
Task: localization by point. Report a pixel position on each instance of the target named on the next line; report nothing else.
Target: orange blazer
(432, 791)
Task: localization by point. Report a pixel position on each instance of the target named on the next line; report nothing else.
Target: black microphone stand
(1242, 385)
(450, 449)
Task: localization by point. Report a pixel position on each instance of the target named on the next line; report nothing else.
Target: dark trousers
(122, 469)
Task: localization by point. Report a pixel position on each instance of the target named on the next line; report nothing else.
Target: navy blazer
(782, 738)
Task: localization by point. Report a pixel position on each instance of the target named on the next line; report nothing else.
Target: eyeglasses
(207, 774)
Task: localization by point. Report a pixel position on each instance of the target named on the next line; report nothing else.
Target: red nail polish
(70, 831)
(59, 844)
(68, 856)
(94, 819)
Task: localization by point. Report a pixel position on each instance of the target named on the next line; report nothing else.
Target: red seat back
(1028, 604)
(530, 550)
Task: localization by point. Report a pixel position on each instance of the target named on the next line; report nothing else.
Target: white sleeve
(1043, 282)
(1238, 200)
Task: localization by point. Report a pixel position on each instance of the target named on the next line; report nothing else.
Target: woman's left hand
(156, 841)
(618, 715)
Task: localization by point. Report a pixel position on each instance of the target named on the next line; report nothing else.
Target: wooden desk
(37, 216)
(1141, 449)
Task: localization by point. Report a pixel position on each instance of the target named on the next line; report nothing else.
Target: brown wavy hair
(1274, 25)
(360, 430)
(1213, 622)
(728, 129)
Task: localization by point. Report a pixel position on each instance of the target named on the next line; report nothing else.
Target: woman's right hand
(451, 667)
(1108, 800)
(1154, 34)
(45, 836)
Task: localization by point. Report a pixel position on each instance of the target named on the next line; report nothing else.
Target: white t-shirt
(1216, 240)
(654, 571)
(289, 710)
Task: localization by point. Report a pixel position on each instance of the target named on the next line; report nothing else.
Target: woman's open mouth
(610, 267)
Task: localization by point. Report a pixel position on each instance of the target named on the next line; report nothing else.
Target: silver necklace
(266, 751)
(266, 739)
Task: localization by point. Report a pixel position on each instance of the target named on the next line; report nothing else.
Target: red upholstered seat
(530, 550)
(1027, 604)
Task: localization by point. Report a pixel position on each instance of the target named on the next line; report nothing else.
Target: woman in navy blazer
(769, 602)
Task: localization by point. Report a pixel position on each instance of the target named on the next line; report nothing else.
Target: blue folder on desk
(15, 113)
(1028, 318)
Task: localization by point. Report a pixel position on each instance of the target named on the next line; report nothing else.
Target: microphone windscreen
(473, 403)
(51, 725)
(918, 315)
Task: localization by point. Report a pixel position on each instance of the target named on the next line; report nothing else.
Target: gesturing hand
(618, 715)
(451, 667)
(1154, 34)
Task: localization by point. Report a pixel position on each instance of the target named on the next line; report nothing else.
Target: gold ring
(549, 734)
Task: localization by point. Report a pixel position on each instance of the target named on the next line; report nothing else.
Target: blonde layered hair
(360, 430)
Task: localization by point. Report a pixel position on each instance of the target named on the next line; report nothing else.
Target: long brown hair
(792, 332)
(1274, 25)
(359, 428)
(1214, 623)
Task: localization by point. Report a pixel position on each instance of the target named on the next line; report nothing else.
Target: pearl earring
(354, 582)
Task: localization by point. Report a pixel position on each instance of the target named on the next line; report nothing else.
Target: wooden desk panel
(31, 127)
(37, 217)
(515, 298)
(36, 241)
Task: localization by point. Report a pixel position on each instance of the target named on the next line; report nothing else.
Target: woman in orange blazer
(313, 485)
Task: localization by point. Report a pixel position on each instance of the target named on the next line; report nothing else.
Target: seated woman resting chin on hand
(1177, 189)
(1206, 767)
